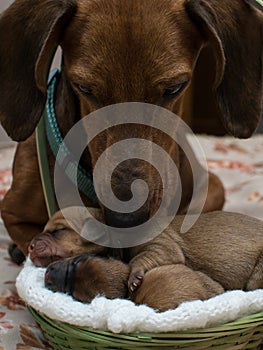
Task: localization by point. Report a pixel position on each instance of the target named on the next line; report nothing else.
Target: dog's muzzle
(123, 220)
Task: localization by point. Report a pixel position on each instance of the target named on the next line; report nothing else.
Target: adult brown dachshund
(227, 247)
(85, 277)
(120, 51)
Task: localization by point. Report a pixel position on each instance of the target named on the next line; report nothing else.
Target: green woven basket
(245, 333)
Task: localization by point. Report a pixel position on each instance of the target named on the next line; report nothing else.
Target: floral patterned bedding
(239, 164)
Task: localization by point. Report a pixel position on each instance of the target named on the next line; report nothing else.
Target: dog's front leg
(23, 208)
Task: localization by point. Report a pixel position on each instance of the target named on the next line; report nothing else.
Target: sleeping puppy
(225, 246)
(84, 277)
(228, 247)
(61, 239)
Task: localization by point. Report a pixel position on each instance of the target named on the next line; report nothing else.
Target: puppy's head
(84, 277)
(61, 238)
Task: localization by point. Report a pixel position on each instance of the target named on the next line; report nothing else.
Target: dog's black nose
(123, 220)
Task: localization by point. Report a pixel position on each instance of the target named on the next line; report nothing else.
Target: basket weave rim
(233, 327)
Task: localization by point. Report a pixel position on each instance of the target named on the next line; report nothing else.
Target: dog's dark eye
(174, 90)
(85, 90)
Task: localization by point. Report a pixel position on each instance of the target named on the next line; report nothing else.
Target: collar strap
(56, 143)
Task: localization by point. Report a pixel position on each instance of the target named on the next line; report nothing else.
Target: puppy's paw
(135, 280)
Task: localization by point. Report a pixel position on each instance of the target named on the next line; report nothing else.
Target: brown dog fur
(228, 247)
(123, 51)
(225, 246)
(92, 276)
(166, 287)
(95, 276)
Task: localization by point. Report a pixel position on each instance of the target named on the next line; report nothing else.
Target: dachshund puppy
(61, 239)
(113, 52)
(228, 247)
(225, 246)
(84, 277)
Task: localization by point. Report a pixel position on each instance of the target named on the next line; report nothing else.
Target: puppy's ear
(235, 31)
(30, 32)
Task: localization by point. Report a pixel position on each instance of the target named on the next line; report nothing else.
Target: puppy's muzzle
(59, 276)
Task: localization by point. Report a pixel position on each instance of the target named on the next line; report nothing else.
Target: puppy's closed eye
(57, 232)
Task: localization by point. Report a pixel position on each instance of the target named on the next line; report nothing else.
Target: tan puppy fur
(60, 238)
(225, 246)
(166, 287)
(86, 277)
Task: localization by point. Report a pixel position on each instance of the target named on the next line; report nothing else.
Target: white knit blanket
(123, 316)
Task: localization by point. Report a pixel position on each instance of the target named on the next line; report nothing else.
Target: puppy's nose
(123, 220)
(31, 248)
(55, 277)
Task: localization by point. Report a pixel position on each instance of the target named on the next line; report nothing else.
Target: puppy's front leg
(162, 250)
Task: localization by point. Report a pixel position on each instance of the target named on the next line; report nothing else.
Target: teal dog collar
(56, 143)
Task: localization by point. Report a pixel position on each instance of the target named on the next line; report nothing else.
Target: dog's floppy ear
(235, 30)
(30, 32)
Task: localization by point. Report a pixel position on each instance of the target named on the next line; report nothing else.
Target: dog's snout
(125, 220)
(55, 276)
